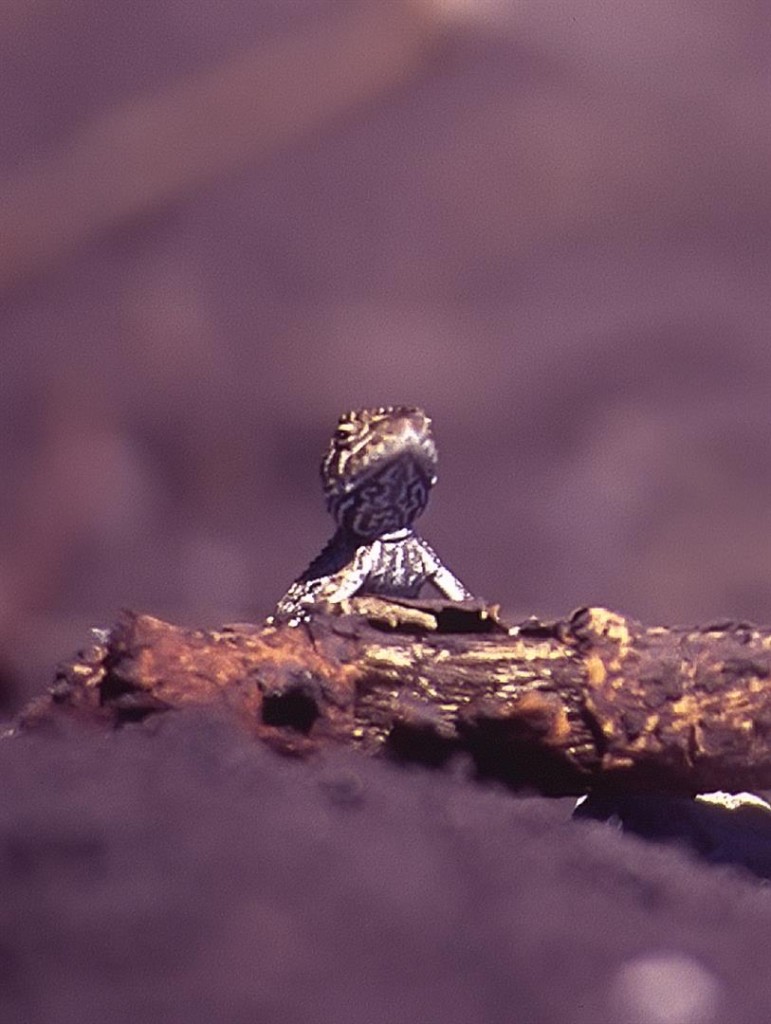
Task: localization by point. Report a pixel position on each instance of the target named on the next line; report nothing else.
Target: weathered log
(593, 702)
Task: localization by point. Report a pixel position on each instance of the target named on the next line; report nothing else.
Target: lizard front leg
(439, 576)
(314, 588)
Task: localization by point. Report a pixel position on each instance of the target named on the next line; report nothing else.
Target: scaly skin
(376, 473)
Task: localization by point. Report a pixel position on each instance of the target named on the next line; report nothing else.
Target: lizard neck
(341, 548)
(396, 535)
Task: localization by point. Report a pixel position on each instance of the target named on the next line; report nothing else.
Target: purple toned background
(551, 230)
(546, 223)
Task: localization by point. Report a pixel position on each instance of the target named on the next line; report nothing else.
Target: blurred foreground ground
(190, 877)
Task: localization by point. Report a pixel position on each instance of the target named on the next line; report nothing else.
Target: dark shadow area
(296, 709)
(740, 836)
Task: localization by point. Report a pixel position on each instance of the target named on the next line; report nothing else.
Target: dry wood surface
(596, 701)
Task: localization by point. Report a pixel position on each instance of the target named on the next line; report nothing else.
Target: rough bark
(596, 701)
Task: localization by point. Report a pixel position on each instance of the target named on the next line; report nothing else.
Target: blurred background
(224, 223)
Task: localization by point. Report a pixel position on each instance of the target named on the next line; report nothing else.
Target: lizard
(376, 473)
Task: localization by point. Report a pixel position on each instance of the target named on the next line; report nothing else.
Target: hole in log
(503, 750)
(112, 687)
(419, 744)
(126, 702)
(453, 618)
(294, 709)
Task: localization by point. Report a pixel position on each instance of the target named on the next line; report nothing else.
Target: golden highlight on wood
(595, 701)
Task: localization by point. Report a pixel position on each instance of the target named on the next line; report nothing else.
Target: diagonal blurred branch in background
(153, 149)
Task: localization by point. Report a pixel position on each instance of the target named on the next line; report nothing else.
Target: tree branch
(596, 701)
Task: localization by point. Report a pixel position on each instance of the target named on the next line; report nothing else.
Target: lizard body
(377, 473)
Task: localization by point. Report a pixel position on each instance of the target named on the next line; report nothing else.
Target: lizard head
(378, 469)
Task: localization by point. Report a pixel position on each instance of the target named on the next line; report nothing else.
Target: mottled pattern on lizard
(376, 473)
